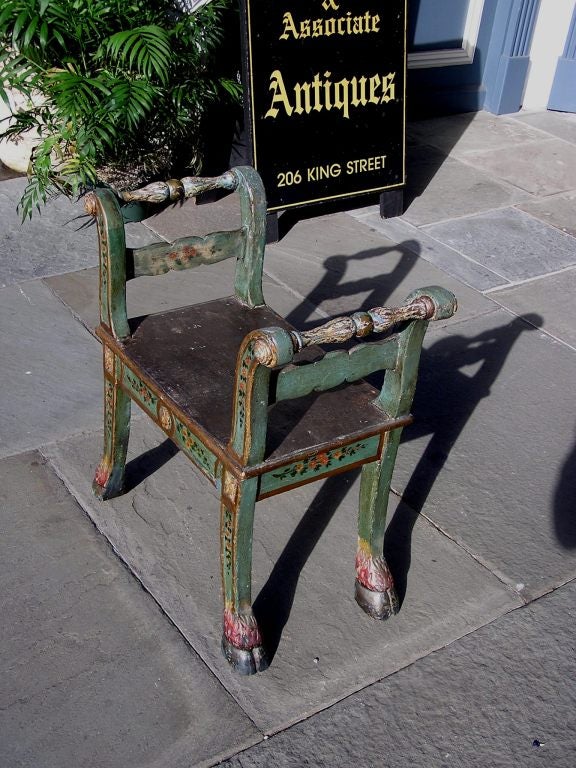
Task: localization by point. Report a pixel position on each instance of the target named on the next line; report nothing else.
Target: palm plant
(112, 87)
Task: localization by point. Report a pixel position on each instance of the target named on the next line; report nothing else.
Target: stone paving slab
(59, 239)
(543, 167)
(559, 211)
(461, 267)
(51, 372)
(471, 132)
(503, 697)
(79, 292)
(437, 192)
(560, 124)
(552, 297)
(188, 218)
(355, 266)
(508, 242)
(166, 529)
(491, 457)
(92, 672)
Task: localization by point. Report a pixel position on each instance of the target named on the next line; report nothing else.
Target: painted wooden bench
(254, 403)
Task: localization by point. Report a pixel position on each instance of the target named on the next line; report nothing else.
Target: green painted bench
(254, 403)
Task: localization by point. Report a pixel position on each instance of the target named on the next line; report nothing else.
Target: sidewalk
(478, 668)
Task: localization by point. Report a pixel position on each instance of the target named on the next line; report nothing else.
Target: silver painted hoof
(379, 605)
(245, 662)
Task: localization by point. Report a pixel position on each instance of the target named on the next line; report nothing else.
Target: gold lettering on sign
(325, 94)
(366, 24)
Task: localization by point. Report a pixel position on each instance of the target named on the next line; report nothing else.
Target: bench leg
(109, 477)
(241, 639)
(375, 592)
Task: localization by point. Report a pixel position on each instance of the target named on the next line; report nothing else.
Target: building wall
(548, 43)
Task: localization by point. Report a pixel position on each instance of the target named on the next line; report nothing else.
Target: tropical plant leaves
(146, 49)
(105, 82)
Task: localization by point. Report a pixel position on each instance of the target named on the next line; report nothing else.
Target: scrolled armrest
(179, 189)
(432, 303)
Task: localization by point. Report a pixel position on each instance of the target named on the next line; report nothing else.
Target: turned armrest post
(433, 303)
(426, 304)
(399, 384)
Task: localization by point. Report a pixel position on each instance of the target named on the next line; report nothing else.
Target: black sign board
(325, 97)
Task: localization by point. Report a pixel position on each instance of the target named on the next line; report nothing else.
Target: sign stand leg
(272, 232)
(391, 203)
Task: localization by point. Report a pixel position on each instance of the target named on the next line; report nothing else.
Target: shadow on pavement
(446, 398)
(565, 503)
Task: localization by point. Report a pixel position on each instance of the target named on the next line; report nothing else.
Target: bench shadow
(333, 284)
(457, 373)
(147, 463)
(447, 396)
(273, 605)
(565, 503)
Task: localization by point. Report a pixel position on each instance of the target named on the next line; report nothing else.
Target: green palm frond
(145, 49)
(107, 82)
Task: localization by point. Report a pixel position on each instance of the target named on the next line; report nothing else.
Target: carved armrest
(433, 303)
(180, 189)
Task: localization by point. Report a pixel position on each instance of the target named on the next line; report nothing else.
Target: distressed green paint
(249, 265)
(227, 550)
(319, 464)
(112, 263)
(260, 351)
(237, 534)
(335, 368)
(250, 407)
(374, 493)
(187, 253)
(109, 476)
(395, 399)
(140, 391)
(194, 449)
(103, 290)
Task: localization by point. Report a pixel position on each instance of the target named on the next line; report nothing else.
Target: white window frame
(451, 57)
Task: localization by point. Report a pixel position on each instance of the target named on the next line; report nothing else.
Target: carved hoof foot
(379, 605)
(245, 662)
(107, 484)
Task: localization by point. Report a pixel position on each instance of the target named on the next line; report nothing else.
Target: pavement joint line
(450, 219)
(540, 221)
(537, 327)
(499, 180)
(432, 651)
(551, 197)
(70, 489)
(294, 293)
(461, 545)
(151, 228)
(422, 255)
(70, 309)
(527, 280)
(516, 120)
(477, 558)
